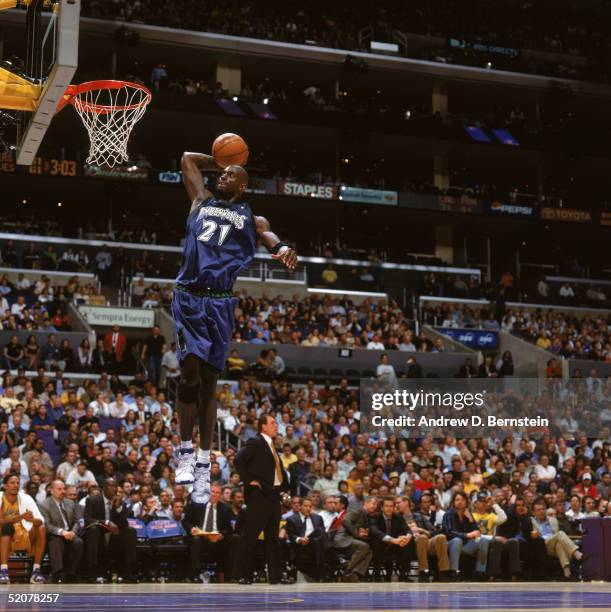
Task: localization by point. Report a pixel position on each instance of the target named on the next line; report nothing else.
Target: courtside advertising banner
(307, 190)
(125, 317)
(473, 338)
(502, 209)
(462, 204)
(571, 215)
(368, 196)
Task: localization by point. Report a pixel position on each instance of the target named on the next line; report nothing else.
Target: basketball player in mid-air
(222, 235)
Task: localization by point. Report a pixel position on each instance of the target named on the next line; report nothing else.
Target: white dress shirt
(309, 527)
(214, 515)
(277, 482)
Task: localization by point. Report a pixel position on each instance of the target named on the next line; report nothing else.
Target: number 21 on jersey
(210, 227)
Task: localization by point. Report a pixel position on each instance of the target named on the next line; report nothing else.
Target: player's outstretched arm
(279, 250)
(192, 165)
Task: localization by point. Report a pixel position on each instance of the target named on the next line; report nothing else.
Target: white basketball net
(109, 115)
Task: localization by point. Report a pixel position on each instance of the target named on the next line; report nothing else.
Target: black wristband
(277, 247)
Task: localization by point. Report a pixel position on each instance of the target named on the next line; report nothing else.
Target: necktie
(64, 515)
(209, 519)
(277, 462)
(337, 521)
(388, 526)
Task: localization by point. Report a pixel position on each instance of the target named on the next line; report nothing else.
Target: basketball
(230, 149)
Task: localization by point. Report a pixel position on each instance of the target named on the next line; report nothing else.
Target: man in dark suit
(214, 518)
(264, 478)
(314, 554)
(107, 530)
(352, 540)
(391, 539)
(61, 522)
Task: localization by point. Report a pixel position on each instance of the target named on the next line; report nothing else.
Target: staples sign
(308, 190)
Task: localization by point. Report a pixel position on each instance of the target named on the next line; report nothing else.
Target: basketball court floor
(561, 597)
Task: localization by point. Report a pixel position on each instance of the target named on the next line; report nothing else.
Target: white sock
(4, 566)
(203, 456)
(35, 566)
(186, 445)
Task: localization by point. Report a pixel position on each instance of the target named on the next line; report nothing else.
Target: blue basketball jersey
(220, 241)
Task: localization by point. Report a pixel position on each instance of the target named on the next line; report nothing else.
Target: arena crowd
(565, 334)
(570, 31)
(92, 456)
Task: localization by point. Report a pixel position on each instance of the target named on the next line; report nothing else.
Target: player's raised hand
(287, 256)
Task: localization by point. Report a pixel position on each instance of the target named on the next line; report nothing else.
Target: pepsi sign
(473, 338)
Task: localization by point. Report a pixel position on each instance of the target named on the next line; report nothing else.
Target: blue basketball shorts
(204, 327)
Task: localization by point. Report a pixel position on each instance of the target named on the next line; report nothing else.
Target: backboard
(51, 59)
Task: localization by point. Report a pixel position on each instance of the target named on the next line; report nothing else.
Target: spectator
(49, 258)
(391, 539)
(276, 364)
(115, 343)
(236, 366)
(557, 543)
(27, 534)
(329, 276)
(82, 261)
(487, 369)
(169, 363)
(314, 554)
(352, 540)
(152, 353)
(158, 75)
(51, 355)
(385, 371)
(467, 370)
(84, 356)
(100, 358)
(375, 343)
(66, 355)
(463, 535)
(61, 523)
(106, 513)
(31, 257)
(427, 541)
(14, 354)
(103, 263)
(504, 365)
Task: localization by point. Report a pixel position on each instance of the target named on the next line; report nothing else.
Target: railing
(401, 39)
(365, 37)
(259, 257)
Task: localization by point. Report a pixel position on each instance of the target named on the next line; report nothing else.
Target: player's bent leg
(207, 421)
(187, 404)
(38, 542)
(6, 535)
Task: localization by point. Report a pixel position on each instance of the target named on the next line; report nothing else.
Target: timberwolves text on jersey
(220, 241)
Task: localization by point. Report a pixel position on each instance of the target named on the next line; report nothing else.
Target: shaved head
(232, 182)
(241, 174)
